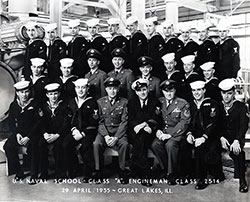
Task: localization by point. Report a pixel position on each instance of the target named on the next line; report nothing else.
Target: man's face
(74, 30)
(142, 93)
(228, 96)
(117, 62)
(81, 91)
(112, 91)
(93, 30)
(188, 67)
(223, 34)
(66, 71)
(93, 63)
(170, 65)
(51, 34)
(185, 35)
(132, 28)
(145, 70)
(208, 74)
(198, 93)
(23, 95)
(32, 33)
(53, 96)
(169, 94)
(167, 31)
(113, 29)
(37, 70)
(202, 35)
(150, 28)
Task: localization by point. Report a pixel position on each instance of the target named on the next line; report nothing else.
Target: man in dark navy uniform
(36, 47)
(24, 127)
(95, 76)
(77, 49)
(212, 82)
(155, 46)
(125, 76)
(234, 125)
(137, 44)
(143, 119)
(57, 49)
(201, 137)
(174, 74)
(97, 41)
(84, 122)
(207, 49)
(145, 66)
(190, 76)
(117, 41)
(112, 129)
(66, 80)
(228, 63)
(172, 43)
(190, 46)
(55, 126)
(38, 80)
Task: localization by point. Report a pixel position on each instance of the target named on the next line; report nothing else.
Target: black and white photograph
(124, 100)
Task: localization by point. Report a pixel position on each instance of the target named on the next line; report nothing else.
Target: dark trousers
(86, 151)
(140, 162)
(100, 146)
(57, 153)
(166, 153)
(239, 164)
(11, 147)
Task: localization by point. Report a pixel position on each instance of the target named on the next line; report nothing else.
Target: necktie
(143, 104)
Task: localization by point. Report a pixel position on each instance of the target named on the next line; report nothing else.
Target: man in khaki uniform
(175, 120)
(112, 128)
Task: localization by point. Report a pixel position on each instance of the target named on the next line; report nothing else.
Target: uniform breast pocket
(175, 115)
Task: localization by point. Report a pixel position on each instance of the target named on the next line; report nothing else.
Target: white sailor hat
(202, 27)
(227, 84)
(21, 85)
(185, 28)
(223, 25)
(207, 66)
(50, 27)
(131, 20)
(66, 62)
(74, 23)
(52, 87)
(168, 57)
(150, 20)
(167, 23)
(92, 22)
(139, 83)
(113, 21)
(81, 82)
(37, 62)
(197, 84)
(188, 59)
(30, 25)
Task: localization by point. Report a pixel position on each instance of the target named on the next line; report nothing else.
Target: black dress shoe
(86, 179)
(19, 176)
(243, 186)
(146, 182)
(184, 180)
(201, 185)
(98, 177)
(171, 179)
(33, 180)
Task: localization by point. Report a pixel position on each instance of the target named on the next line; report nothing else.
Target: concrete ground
(51, 191)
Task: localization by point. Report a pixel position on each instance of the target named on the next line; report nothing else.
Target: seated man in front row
(144, 116)
(24, 127)
(112, 128)
(176, 118)
(234, 125)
